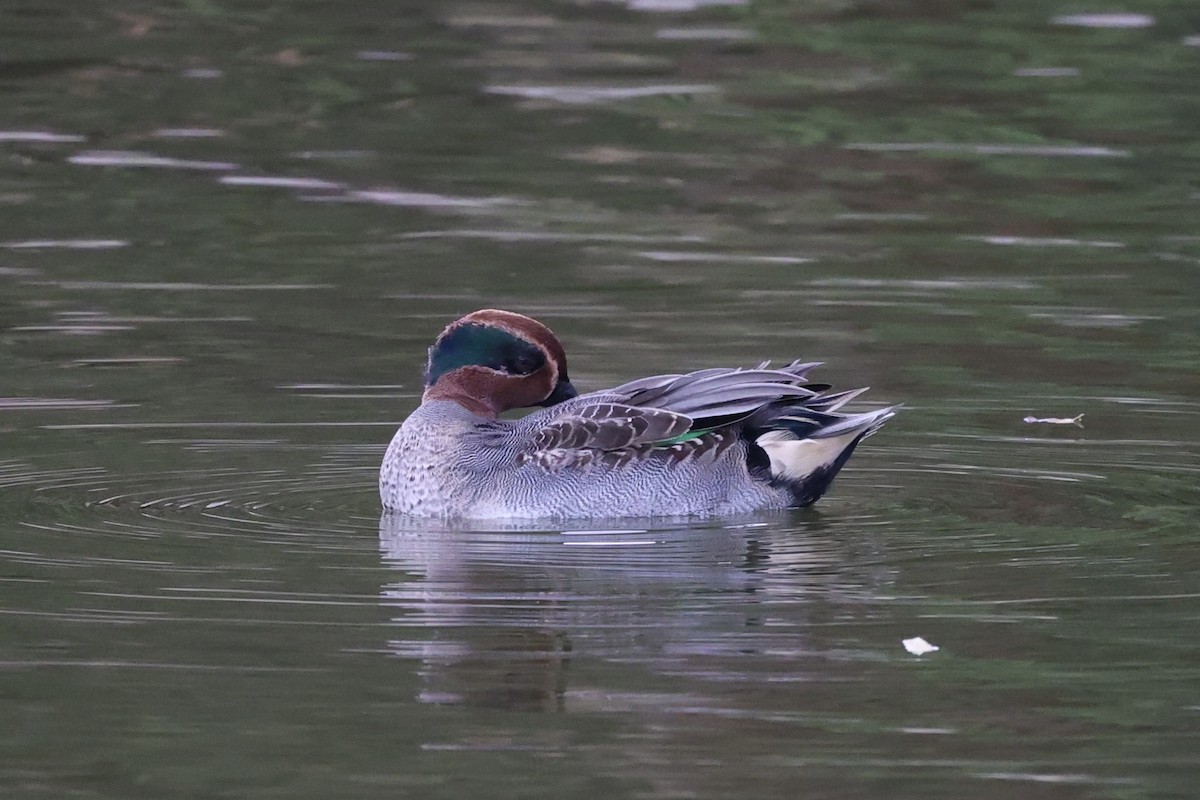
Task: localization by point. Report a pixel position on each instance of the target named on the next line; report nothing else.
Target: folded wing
(685, 415)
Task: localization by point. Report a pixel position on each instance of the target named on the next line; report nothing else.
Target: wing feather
(692, 416)
(610, 426)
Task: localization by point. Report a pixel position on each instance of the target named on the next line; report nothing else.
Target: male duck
(715, 441)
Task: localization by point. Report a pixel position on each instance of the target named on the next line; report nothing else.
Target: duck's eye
(522, 364)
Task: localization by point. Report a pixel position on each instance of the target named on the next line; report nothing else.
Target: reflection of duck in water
(481, 635)
(716, 441)
(542, 620)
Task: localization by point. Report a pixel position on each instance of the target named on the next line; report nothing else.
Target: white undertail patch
(793, 459)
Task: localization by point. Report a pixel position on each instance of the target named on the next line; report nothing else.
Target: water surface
(231, 230)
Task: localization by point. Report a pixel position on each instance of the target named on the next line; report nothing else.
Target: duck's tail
(803, 446)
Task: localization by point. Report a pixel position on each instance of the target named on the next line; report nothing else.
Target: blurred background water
(228, 232)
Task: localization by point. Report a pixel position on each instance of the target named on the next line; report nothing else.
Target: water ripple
(570, 94)
(129, 158)
(66, 244)
(987, 149)
(1105, 20)
(214, 501)
(42, 403)
(280, 182)
(46, 137)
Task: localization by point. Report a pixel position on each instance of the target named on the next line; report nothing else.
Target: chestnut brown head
(491, 361)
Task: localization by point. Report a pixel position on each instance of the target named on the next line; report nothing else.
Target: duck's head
(491, 361)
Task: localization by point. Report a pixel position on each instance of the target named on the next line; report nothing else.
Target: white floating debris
(1105, 20)
(203, 73)
(1078, 420)
(918, 646)
(129, 158)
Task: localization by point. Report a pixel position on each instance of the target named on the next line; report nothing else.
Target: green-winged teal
(711, 442)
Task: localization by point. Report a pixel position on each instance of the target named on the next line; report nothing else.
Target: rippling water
(231, 230)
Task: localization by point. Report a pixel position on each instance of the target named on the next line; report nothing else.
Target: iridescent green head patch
(485, 346)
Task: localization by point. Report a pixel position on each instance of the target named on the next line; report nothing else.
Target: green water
(976, 209)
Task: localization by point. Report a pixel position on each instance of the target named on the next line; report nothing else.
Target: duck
(711, 442)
